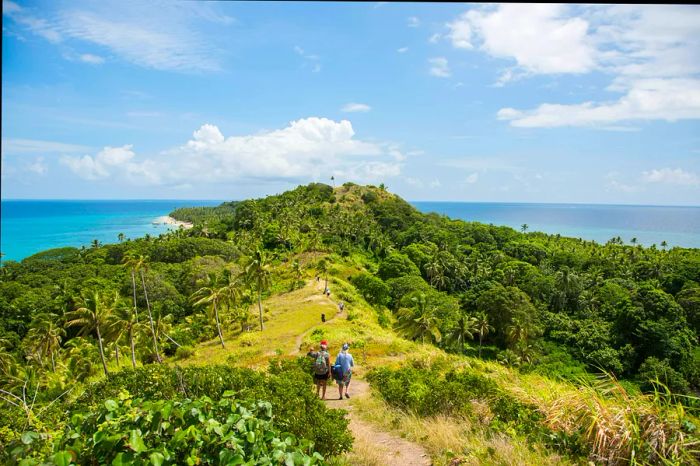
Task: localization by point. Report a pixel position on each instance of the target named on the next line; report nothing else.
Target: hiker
(328, 292)
(345, 362)
(323, 318)
(341, 306)
(322, 369)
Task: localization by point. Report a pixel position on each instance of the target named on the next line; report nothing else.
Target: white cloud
(308, 148)
(650, 53)
(461, 32)
(93, 168)
(413, 22)
(472, 178)
(170, 43)
(675, 176)
(402, 50)
(11, 146)
(355, 107)
(435, 183)
(539, 37)
(439, 67)
(38, 166)
(9, 7)
(91, 59)
(435, 38)
(647, 99)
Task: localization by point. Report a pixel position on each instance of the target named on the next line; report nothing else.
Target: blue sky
(462, 102)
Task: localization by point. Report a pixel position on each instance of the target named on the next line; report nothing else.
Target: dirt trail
(388, 449)
(392, 450)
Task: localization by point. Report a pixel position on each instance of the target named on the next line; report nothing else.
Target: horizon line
(407, 200)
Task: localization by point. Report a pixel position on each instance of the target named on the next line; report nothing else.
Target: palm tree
(212, 294)
(95, 244)
(463, 331)
(633, 241)
(333, 180)
(322, 269)
(45, 337)
(92, 315)
(663, 245)
(122, 322)
(139, 263)
(419, 321)
(257, 273)
(482, 327)
(120, 237)
(524, 227)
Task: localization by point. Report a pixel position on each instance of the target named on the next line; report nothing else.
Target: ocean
(32, 226)
(678, 226)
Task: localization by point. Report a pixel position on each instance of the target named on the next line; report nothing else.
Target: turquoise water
(678, 226)
(32, 226)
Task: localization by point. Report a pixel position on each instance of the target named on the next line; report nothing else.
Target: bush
(199, 431)
(184, 352)
(374, 290)
(397, 265)
(297, 409)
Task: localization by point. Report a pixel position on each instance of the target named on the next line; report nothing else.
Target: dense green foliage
(520, 298)
(200, 431)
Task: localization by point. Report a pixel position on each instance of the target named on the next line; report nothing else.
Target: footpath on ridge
(388, 449)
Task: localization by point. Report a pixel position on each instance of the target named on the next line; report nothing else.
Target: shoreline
(168, 220)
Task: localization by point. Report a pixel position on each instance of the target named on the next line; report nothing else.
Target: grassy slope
(293, 318)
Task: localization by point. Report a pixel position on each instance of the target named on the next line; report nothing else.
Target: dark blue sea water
(32, 226)
(678, 226)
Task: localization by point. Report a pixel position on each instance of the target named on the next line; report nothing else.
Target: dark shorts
(320, 378)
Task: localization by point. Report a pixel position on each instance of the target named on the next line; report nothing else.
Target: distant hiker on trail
(311, 353)
(322, 369)
(344, 363)
(318, 278)
(341, 306)
(328, 292)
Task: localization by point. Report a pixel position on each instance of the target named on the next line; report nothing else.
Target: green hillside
(480, 344)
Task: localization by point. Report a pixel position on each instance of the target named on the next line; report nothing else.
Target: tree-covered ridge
(625, 309)
(557, 306)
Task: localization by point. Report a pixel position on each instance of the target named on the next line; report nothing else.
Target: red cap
(324, 342)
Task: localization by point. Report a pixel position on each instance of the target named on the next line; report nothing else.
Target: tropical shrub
(200, 431)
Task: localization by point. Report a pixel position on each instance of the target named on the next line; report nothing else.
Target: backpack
(337, 372)
(320, 366)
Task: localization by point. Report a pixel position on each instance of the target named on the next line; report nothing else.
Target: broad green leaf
(62, 458)
(29, 437)
(111, 405)
(136, 441)
(156, 458)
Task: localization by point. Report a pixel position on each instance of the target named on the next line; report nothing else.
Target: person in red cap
(322, 369)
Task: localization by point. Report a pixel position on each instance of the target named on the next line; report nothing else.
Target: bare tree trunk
(218, 326)
(131, 343)
(150, 318)
(481, 336)
(133, 285)
(262, 327)
(53, 363)
(102, 352)
(116, 353)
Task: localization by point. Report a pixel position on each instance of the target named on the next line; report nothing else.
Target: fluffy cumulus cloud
(101, 165)
(439, 67)
(675, 176)
(306, 149)
(649, 52)
(538, 37)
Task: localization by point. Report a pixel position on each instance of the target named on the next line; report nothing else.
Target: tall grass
(625, 429)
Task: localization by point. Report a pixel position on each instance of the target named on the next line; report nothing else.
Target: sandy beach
(167, 220)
